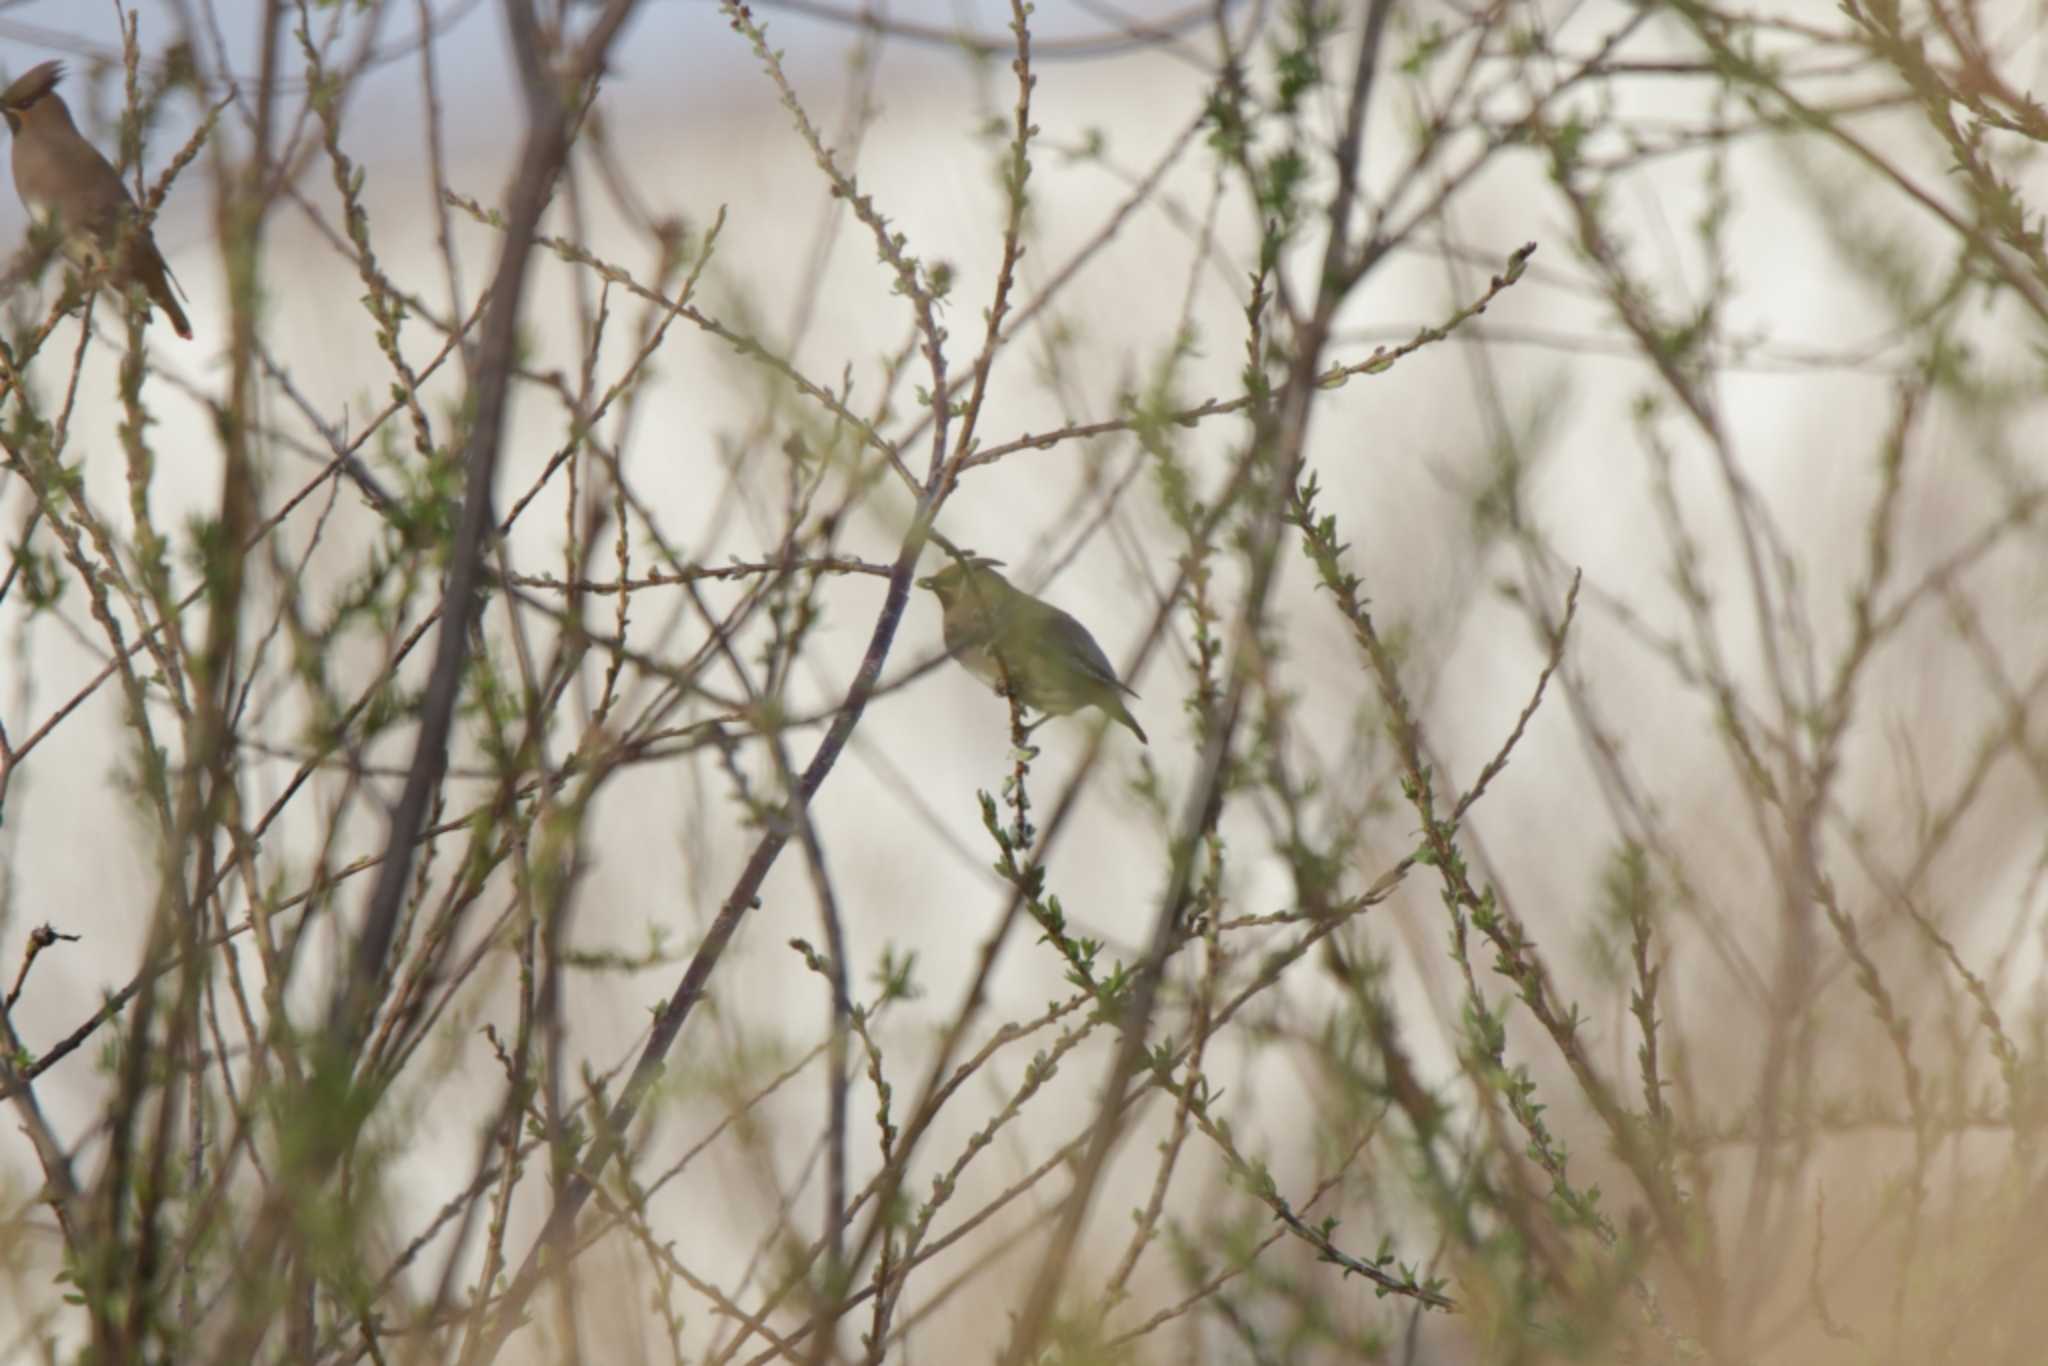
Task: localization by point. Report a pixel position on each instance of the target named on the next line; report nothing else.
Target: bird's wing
(1083, 650)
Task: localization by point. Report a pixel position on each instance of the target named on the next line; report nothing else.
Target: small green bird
(1025, 648)
(65, 181)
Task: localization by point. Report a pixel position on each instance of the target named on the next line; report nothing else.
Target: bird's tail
(160, 295)
(147, 264)
(1123, 714)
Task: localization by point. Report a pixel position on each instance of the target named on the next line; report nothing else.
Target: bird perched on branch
(1025, 648)
(66, 183)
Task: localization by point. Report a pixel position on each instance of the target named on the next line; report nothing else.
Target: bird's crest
(32, 85)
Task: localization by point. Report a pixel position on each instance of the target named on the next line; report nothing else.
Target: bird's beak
(926, 582)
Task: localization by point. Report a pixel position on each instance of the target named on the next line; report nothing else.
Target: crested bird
(1024, 647)
(65, 182)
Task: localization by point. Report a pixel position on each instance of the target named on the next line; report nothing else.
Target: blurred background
(1768, 387)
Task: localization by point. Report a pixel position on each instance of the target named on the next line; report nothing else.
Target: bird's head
(33, 95)
(975, 573)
